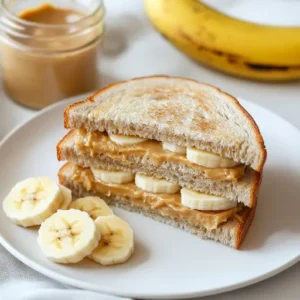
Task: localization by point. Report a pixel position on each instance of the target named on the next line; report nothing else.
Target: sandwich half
(173, 149)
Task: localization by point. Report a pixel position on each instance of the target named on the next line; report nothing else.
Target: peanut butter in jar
(50, 52)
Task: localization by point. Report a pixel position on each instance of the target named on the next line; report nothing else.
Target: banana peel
(230, 45)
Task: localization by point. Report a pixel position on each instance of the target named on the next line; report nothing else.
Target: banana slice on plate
(173, 148)
(32, 201)
(208, 159)
(116, 177)
(94, 206)
(67, 197)
(126, 139)
(200, 201)
(68, 236)
(116, 245)
(154, 185)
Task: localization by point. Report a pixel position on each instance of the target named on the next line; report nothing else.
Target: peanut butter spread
(50, 63)
(48, 14)
(168, 205)
(99, 142)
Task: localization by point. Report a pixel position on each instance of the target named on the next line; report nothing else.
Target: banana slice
(126, 139)
(32, 201)
(154, 185)
(68, 236)
(94, 206)
(200, 201)
(116, 245)
(174, 148)
(116, 177)
(67, 197)
(208, 159)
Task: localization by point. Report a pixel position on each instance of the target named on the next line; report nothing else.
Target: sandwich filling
(97, 142)
(166, 204)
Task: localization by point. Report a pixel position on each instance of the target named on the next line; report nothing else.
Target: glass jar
(46, 62)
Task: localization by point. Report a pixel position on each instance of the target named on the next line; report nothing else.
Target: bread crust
(231, 233)
(243, 228)
(59, 146)
(253, 125)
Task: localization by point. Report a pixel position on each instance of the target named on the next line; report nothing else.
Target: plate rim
(89, 286)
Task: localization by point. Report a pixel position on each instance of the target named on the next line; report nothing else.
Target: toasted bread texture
(231, 233)
(244, 190)
(176, 110)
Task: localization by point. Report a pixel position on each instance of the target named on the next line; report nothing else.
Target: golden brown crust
(67, 110)
(243, 228)
(61, 172)
(253, 124)
(255, 189)
(60, 143)
(89, 99)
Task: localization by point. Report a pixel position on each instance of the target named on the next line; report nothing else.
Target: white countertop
(132, 48)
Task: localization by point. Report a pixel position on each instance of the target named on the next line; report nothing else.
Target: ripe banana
(207, 159)
(93, 206)
(126, 139)
(200, 201)
(234, 46)
(67, 197)
(116, 177)
(155, 185)
(173, 148)
(116, 245)
(68, 236)
(32, 201)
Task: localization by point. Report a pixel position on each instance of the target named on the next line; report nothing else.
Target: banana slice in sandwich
(200, 201)
(126, 139)
(173, 148)
(93, 206)
(116, 177)
(68, 236)
(208, 159)
(32, 201)
(67, 197)
(116, 245)
(155, 185)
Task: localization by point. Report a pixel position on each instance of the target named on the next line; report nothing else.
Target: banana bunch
(69, 231)
(234, 46)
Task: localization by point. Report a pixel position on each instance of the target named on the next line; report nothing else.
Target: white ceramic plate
(168, 263)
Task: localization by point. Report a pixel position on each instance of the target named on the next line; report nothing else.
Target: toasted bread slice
(231, 233)
(244, 190)
(176, 110)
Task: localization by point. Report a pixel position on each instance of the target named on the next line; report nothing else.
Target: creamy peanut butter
(99, 142)
(55, 58)
(166, 204)
(48, 14)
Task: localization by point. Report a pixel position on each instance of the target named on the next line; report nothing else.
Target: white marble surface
(132, 48)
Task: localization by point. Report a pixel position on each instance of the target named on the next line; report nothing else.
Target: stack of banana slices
(69, 230)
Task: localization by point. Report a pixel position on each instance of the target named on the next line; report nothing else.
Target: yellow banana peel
(234, 46)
